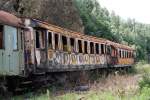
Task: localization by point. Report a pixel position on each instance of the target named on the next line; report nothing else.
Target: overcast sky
(138, 9)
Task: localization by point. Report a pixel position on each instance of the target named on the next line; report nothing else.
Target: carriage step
(27, 82)
(39, 73)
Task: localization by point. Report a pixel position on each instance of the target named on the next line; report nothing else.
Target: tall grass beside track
(135, 86)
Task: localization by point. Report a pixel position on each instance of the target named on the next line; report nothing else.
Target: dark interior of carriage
(64, 43)
(50, 40)
(56, 41)
(91, 48)
(97, 48)
(85, 47)
(80, 46)
(40, 39)
(72, 44)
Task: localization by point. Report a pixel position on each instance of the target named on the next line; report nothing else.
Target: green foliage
(100, 22)
(142, 67)
(145, 82)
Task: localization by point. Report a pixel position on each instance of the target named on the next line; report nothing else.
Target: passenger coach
(29, 45)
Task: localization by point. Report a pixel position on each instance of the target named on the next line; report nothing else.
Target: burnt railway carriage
(57, 49)
(29, 45)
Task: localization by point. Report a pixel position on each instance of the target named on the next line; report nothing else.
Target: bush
(145, 82)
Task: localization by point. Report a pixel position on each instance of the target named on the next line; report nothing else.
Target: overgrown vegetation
(117, 87)
(100, 22)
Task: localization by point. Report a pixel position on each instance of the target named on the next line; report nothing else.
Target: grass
(94, 95)
(142, 67)
(126, 87)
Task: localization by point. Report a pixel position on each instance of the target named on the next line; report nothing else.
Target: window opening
(80, 46)
(97, 48)
(108, 49)
(102, 48)
(64, 43)
(72, 43)
(40, 39)
(85, 47)
(120, 53)
(50, 39)
(56, 41)
(91, 48)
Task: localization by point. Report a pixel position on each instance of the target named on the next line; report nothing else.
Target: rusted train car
(29, 46)
(57, 49)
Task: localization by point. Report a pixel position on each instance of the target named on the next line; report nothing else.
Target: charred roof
(78, 35)
(10, 19)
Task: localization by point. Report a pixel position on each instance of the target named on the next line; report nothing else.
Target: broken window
(64, 43)
(40, 39)
(102, 48)
(91, 48)
(50, 40)
(56, 41)
(108, 49)
(123, 54)
(80, 46)
(37, 40)
(97, 48)
(72, 44)
(1, 37)
(127, 54)
(85, 47)
(130, 54)
(120, 54)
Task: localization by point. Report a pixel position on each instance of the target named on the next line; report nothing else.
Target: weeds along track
(76, 80)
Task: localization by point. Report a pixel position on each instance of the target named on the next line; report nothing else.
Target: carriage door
(11, 50)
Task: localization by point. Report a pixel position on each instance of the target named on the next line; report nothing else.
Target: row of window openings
(125, 54)
(72, 42)
(81, 49)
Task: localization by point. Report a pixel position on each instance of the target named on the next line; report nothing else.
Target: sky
(137, 9)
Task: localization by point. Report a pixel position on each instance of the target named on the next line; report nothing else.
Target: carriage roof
(70, 33)
(10, 19)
